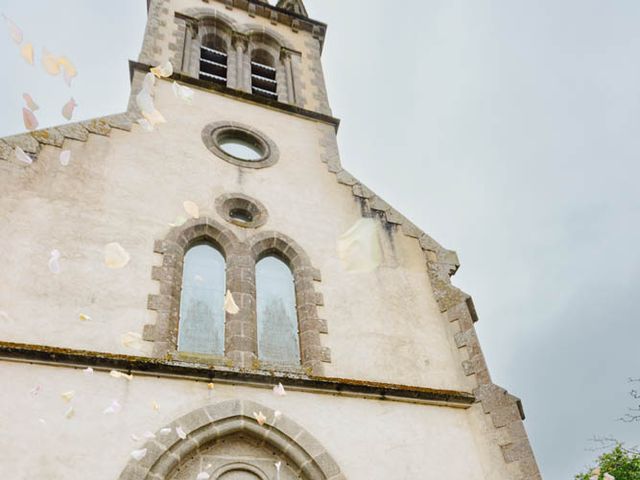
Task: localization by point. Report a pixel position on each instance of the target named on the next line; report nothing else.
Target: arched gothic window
(264, 74)
(201, 326)
(278, 339)
(213, 59)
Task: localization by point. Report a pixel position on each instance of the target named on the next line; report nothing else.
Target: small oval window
(241, 145)
(241, 215)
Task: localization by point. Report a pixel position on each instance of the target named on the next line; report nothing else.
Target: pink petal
(14, 31)
(67, 110)
(31, 105)
(23, 157)
(30, 120)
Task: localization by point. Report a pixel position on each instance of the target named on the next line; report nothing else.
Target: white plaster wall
(369, 439)
(383, 326)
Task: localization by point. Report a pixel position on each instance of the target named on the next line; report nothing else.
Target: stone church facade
(147, 371)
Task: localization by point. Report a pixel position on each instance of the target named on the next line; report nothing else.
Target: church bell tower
(204, 292)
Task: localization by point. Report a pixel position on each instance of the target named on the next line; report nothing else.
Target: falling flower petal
(68, 69)
(35, 390)
(359, 248)
(230, 304)
(85, 318)
(279, 390)
(23, 157)
(26, 52)
(54, 261)
(69, 413)
(139, 454)
(67, 396)
(180, 432)
(155, 406)
(14, 30)
(88, 371)
(42, 421)
(276, 415)
(191, 208)
(210, 386)
(163, 70)
(135, 437)
(117, 374)
(149, 435)
(134, 340)
(31, 105)
(50, 63)
(203, 476)
(115, 256)
(115, 407)
(260, 418)
(67, 110)
(30, 120)
(145, 124)
(165, 431)
(65, 157)
(149, 82)
(183, 93)
(148, 109)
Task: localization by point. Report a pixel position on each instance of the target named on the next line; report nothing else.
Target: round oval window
(241, 145)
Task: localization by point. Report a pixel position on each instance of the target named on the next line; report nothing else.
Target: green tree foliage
(620, 463)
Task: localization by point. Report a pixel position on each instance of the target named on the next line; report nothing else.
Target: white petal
(165, 431)
(115, 407)
(260, 418)
(35, 390)
(139, 454)
(183, 93)
(149, 435)
(85, 318)
(163, 70)
(30, 120)
(155, 406)
(359, 248)
(67, 110)
(191, 208)
(14, 30)
(26, 52)
(115, 256)
(149, 82)
(67, 396)
(65, 157)
(279, 390)
(180, 432)
(203, 476)
(117, 374)
(31, 105)
(230, 304)
(54, 265)
(135, 437)
(70, 412)
(23, 157)
(179, 221)
(88, 371)
(145, 124)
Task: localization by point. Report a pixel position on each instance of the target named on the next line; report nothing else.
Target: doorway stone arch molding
(207, 425)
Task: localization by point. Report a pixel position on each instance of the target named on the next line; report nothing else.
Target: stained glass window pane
(201, 328)
(277, 318)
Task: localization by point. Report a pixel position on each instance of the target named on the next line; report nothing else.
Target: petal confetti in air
(23, 157)
(67, 396)
(191, 208)
(135, 437)
(203, 476)
(139, 454)
(260, 418)
(180, 432)
(210, 386)
(84, 318)
(26, 52)
(155, 406)
(50, 62)
(30, 120)
(31, 105)
(144, 101)
(70, 412)
(65, 157)
(179, 221)
(115, 256)
(115, 407)
(149, 82)
(165, 431)
(67, 110)
(149, 435)
(230, 304)
(279, 390)
(117, 374)
(134, 340)
(183, 93)
(68, 69)
(88, 371)
(54, 261)
(359, 248)
(163, 70)
(14, 30)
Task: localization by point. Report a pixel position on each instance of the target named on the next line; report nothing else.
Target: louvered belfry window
(213, 61)
(263, 74)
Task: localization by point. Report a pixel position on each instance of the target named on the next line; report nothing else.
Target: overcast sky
(506, 129)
